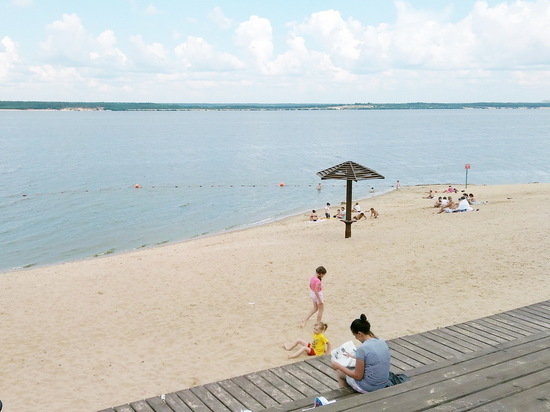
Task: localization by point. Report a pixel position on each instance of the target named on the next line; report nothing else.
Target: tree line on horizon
(129, 106)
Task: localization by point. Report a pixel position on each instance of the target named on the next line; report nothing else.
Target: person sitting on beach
(360, 216)
(313, 217)
(373, 213)
(318, 346)
(444, 201)
(357, 208)
(450, 189)
(338, 214)
(438, 202)
(372, 367)
(429, 195)
(463, 205)
(451, 205)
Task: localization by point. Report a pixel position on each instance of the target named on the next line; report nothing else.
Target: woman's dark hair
(361, 325)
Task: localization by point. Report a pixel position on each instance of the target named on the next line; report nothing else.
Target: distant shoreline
(133, 106)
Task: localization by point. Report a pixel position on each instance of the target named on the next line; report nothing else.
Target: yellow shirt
(318, 344)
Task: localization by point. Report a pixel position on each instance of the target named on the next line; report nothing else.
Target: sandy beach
(86, 335)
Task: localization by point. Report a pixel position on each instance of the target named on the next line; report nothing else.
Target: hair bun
(363, 317)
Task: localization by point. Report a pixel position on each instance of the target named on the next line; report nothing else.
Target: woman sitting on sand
(372, 366)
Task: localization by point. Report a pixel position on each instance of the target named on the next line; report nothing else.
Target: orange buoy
(137, 186)
(281, 184)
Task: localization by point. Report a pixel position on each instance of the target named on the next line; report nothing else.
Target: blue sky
(279, 51)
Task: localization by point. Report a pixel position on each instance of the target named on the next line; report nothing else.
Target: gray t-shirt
(376, 354)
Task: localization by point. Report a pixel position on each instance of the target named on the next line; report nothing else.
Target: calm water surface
(67, 178)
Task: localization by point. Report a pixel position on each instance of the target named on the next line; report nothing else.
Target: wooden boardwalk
(497, 363)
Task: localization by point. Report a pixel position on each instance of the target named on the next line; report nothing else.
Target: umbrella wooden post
(349, 171)
(348, 220)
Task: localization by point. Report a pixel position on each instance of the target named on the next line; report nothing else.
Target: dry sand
(87, 335)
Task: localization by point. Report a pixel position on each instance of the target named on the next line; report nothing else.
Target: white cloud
(151, 10)
(69, 43)
(49, 73)
(218, 18)
(22, 3)
(341, 39)
(196, 54)
(256, 37)
(153, 54)
(9, 56)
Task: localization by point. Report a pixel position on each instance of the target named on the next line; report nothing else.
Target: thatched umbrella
(349, 171)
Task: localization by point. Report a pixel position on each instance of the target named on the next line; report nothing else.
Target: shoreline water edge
(106, 331)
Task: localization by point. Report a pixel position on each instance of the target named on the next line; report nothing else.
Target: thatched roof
(349, 171)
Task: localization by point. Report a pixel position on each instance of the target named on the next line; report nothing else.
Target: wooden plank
(535, 311)
(431, 345)
(176, 403)
(291, 380)
(450, 384)
(533, 339)
(498, 333)
(467, 341)
(308, 401)
(505, 326)
(208, 399)
(259, 395)
(314, 373)
(490, 340)
(124, 408)
(158, 405)
(141, 406)
(398, 347)
(533, 400)
(456, 344)
(419, 350)
(223, 396)
(271, 390)
(322, 363)
(512, 322)
(502, 328)
(280, 384)
(522, 323)
(191, 400)
(398, 352)
(305, 377)
(541, 323)
(500, 391)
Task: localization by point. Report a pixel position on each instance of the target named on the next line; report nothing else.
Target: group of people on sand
(341, 213)
(372, 357)
(448, 205)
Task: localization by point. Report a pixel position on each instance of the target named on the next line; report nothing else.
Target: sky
(278, 51)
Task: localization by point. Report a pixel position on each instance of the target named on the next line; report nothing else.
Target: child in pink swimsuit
(316, 295)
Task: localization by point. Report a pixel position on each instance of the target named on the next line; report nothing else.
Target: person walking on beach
(327, 211)
(318, 346)
(316, 295)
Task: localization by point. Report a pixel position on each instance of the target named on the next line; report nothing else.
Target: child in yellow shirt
(319, 345)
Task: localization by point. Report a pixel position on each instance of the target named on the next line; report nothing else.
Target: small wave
(107, 252)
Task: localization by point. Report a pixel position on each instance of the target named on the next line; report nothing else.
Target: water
(67, 178)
